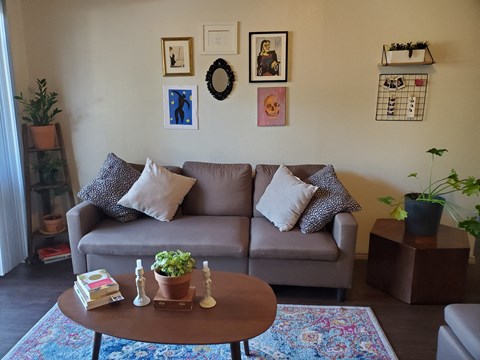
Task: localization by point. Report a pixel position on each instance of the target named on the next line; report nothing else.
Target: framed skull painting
(268, 56)
(271, 106)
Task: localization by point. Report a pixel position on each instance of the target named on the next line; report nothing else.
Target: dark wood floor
(29, 291)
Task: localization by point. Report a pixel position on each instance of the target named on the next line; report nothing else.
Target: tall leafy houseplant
(435, 191)
(39, 113)
(173, 272)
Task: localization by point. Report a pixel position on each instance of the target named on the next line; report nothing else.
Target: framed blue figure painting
(180, 107)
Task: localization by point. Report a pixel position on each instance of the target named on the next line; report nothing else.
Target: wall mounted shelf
(428, 59)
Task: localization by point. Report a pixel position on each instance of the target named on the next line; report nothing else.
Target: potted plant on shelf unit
(54, 222)
(173, 272)
(39, 113)
(422, 211)
(47, 168)
(406, 53)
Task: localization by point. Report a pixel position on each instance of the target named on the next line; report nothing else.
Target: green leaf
(413, 175)
(438, 152)
(386, 200)
(398, 213)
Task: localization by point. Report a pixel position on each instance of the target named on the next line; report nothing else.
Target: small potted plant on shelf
(47, 168)
(422, 211)
(54, 222)
(173, 272)
(39, 113)
(406, 53)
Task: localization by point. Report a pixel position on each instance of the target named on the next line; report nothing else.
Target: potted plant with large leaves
(422, 211)
(173, 272)
(39, 113)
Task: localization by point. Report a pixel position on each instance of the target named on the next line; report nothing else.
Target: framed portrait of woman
(268, 56)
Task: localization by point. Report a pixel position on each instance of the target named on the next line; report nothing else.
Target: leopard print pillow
(113, 181)
(330, 199)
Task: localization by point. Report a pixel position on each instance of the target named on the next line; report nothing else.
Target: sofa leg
(341, 294)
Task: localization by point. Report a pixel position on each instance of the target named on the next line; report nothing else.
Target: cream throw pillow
(285, 198)
(158, 192)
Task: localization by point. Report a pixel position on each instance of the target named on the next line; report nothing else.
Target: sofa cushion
(285, 198)
(330, 199)
(113, 181)
(201, 235)
(221, 189)
(158, 192)
(268, 243)
(264, 174)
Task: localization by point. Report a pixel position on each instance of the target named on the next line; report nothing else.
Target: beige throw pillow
(285, 198)
(158, 192)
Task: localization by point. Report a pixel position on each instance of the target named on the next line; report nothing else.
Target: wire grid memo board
(401, 97)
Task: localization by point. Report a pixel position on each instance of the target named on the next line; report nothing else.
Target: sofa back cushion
(264, 174)
(221, 189)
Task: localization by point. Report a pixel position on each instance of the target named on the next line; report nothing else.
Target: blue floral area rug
(299, 332)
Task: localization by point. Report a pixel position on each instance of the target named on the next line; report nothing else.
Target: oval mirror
(220, 79)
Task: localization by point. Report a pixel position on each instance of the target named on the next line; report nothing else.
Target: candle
(139, 263)
(205, 265)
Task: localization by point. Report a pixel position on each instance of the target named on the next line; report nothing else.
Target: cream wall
(104, 59)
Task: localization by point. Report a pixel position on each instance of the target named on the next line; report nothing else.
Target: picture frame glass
(268, 56)
(180, 107)
(177, 56)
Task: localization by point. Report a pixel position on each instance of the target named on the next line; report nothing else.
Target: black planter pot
(423, 217)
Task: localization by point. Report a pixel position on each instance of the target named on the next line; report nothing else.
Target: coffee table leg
(97, 341)
(235, 350)
(247, 348)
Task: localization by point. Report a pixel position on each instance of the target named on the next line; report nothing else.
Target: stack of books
(54, 253)
(97, 288)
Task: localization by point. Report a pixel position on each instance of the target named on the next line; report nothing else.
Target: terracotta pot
(173, 287)
(53, 223)
(43, 137)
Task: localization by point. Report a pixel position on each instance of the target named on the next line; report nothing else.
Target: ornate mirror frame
(220, 64)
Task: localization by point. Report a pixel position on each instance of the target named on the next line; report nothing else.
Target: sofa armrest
(80, 220)
(344, 232)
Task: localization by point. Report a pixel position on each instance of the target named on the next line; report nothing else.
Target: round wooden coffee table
(246, 307)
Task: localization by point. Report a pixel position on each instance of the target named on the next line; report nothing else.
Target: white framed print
(219, 38)
(180, 107)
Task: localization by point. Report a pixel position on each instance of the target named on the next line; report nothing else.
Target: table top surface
(447, 238)
(246, 307)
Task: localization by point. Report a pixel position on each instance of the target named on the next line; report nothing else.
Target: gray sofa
(218, 222)
(459, 338)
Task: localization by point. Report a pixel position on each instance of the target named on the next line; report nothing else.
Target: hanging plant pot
(423, 217)
(173, 287)
(43, 137)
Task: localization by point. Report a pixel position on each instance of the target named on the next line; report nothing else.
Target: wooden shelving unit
(31, 157)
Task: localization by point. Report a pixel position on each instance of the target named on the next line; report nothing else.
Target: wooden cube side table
(418, 269)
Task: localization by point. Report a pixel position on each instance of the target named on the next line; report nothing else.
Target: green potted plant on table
(422, 211)
(173, 272)
(39, 113)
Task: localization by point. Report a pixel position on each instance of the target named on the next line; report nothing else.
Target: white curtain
(13, 233)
